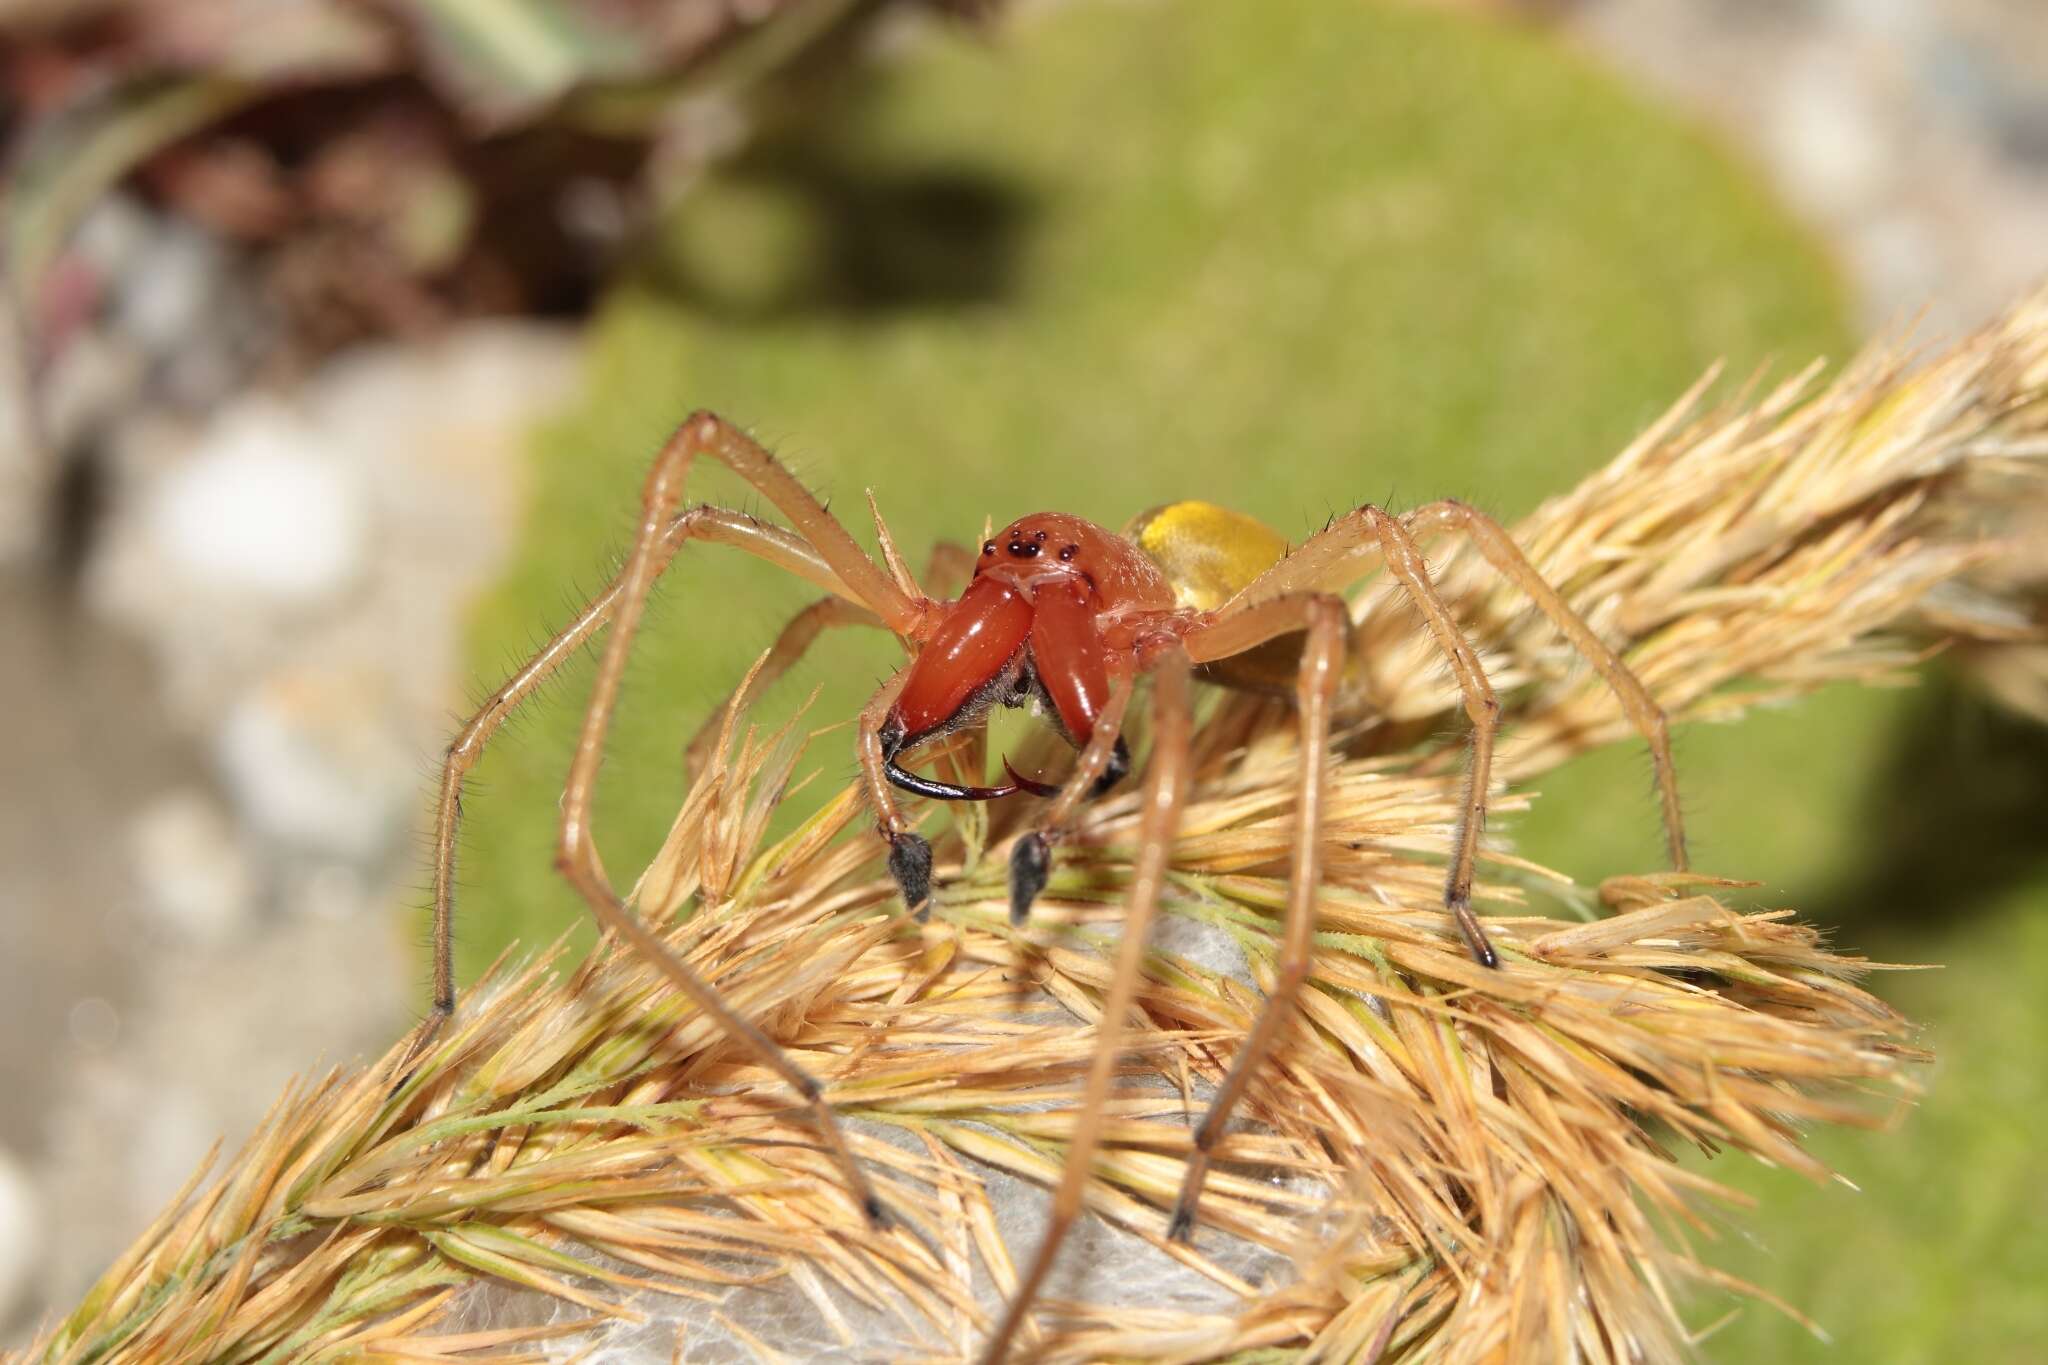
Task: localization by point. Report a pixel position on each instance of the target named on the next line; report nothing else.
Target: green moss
(1942, 1251)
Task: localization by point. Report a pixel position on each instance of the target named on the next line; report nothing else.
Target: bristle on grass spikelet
(1446, 1162)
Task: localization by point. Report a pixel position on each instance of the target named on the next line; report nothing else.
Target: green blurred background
(1291, 257)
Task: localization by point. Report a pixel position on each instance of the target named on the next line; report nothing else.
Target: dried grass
(1448, 1163)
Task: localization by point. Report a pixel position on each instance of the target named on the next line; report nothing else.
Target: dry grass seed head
(1444, 1162)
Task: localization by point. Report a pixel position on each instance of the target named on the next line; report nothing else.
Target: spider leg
(1507, 559)
(949, 563)
(1337, 555)
(1404, 560)
(1230, 631)
(1031, 855)
(818, 550)
(798, 634)
(910, 854)
(576, 852)
(717, 525)
(1165, 791)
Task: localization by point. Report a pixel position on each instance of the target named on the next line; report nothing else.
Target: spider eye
(988, 547)
(1067, 553)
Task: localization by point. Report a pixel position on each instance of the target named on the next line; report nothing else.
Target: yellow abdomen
(1209, 554)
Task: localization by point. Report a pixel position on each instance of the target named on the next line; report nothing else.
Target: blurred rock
(22, 476)
(311, 769)
(169, 292)
(1913, 133)
(140, 313)
(194, 875)
(299, 564)
(113, 235)
(174, 1127)
(95, 1025)
(140, 309)
(97, 378)
(21, 1231)
(265, 508)
(213, 1035)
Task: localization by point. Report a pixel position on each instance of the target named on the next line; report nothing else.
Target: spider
(1065, 614)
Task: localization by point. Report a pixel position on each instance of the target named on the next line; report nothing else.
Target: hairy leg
(820, 552)
(1500, 550)
(1165, 790)
(712, 524)
(1031, 855)
(910, 855)
(1341, 553)
(1230, 631)
(949, 564)
(798, 634)
(1405, 562)
(576, 852)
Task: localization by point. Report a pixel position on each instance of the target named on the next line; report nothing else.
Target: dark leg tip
(879, 1217)
(1182, 1228)
(1460, 907)
(910, 863)
(1118, 768)
(1030, 869)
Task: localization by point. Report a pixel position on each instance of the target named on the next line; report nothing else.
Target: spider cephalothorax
(1064, 613)
(1056, 606)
